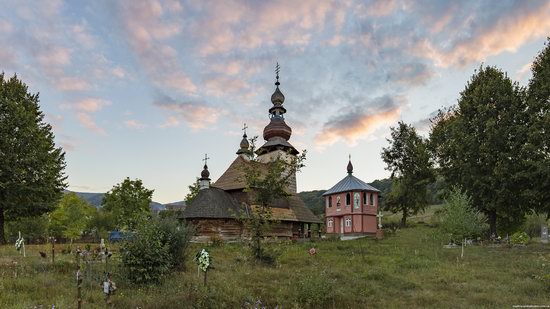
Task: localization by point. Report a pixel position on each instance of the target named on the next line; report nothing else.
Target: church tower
(277, 133)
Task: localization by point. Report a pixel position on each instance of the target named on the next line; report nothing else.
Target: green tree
(71, 217)
(460, 219)
(408, 159)
(129, 202)
(31, 166)
(193, 191)
(538, 141)
(478, 145)
(266, 183)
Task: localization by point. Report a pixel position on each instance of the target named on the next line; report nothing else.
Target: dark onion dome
(277, 98)
(205, 173)
(244, 145)
(277, 128)
(350, 167)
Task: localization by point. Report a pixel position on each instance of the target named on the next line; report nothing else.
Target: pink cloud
(72, 84)
(196, 116)
(87, 121)
(90, 105)
(170, 122)
(133, 124)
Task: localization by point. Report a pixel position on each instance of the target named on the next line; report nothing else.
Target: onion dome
(350, 167)
(277, 128)
(205, 173)
(277, 98)
(244, 146)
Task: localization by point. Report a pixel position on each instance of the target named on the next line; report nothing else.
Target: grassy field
(407, 269)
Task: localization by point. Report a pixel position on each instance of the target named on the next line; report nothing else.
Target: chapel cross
(244, 128)
(205, 158)
(379, 216)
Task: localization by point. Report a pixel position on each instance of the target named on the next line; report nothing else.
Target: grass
(407, 269)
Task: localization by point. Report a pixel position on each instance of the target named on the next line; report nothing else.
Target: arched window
(338, 201)
(356, 200)
(365, 198)
(348, 199)
(372, 199)
(329, 222)
(329, 201)
(348, 222)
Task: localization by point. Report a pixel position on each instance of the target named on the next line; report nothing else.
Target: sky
(143, 89)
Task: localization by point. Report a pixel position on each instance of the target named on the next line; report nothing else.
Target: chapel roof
(212, 203)
(234, 177)
(350, 183)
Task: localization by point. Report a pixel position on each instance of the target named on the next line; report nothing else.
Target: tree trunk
(2, 237)
(492, 216)
(404, 219)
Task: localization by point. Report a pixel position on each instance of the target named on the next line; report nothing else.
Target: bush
(216, 241)
(33, 229)
(315, 290)
(146, 258)
(459, 219)
(519, 238)
(533, 223)
(177, 236)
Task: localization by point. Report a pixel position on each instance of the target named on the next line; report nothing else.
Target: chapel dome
(205, 173)
(277, 98)
(277, 128)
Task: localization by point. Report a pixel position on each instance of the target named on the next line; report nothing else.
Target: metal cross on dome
(205, 158)
(244, 128)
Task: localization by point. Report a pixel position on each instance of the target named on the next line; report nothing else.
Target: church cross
(379, 216)
(205, 158)
(244, 128)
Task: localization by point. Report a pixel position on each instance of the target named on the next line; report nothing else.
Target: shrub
(519, 238)
(459, 219)
(533, 223)
(177, 236)
(33, 229)
(314, 290)
(146, 258)
(216, 241)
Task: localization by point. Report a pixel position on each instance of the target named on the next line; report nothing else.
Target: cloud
(67, 83)
(134, 124)
(358, 121)
(411, 74)
(90, 105)
(523, 71)
(170, 122)
(196, 115)
(87, 121)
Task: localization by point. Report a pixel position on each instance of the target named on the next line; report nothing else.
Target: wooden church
(217, 207)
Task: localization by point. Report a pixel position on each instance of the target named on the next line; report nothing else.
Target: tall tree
(478, 145)
(71, 217)
(538, 141)
(408, 159)
(31, 166)
(129, 202)
(193, 191)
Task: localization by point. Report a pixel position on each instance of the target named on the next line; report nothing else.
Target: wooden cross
(205, 158)
(379, 216)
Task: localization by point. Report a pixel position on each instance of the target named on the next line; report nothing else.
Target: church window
(348, 222)
(356, 200)
(372, 199)
(338, 201)
(329, 201)
(348, 199)
(365, 198)
(329, 222)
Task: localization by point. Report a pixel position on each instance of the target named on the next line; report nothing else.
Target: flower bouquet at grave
(203, 260)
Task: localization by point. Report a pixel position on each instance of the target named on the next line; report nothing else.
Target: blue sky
(143, 89)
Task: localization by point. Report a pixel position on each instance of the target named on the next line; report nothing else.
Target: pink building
(351, 207)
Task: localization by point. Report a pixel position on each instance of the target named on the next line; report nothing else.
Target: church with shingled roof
(216, 209)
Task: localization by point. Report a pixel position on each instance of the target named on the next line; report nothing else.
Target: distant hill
(180, 205)
(95, 200)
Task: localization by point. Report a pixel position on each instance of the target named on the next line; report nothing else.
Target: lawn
(407, 269)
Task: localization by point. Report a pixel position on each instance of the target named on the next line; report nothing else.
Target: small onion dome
(277, 98)
(350, 167)
(244, 145)
(277, 128)
(205, 173)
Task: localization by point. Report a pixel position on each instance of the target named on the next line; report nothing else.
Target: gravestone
(544, 234)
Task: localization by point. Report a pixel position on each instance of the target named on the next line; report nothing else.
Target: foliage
(314, 201)
(460, 219)
(101, 223)
(177, 235)
(71, 217)
(193, 191)
(478, 145)
(265, 183)
(533, 223)
(537, 193)
(33, 229)
(146, 258)
(129, 202)
(519, 238)
(408, 159)
(31, 166)
(216, 241)
(315, 290)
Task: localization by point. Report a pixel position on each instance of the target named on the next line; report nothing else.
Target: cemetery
(108, 109)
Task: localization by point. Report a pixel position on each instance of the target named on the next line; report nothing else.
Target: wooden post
(205, 273)
(53, 249)
(78, 280)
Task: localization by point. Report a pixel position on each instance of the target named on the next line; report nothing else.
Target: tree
(478, 145)
(129, 203)
(193, 191)
(538, 141)
(71, 217)
(31, 166)
(408, 159)
(265, 183)
(460, 219)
